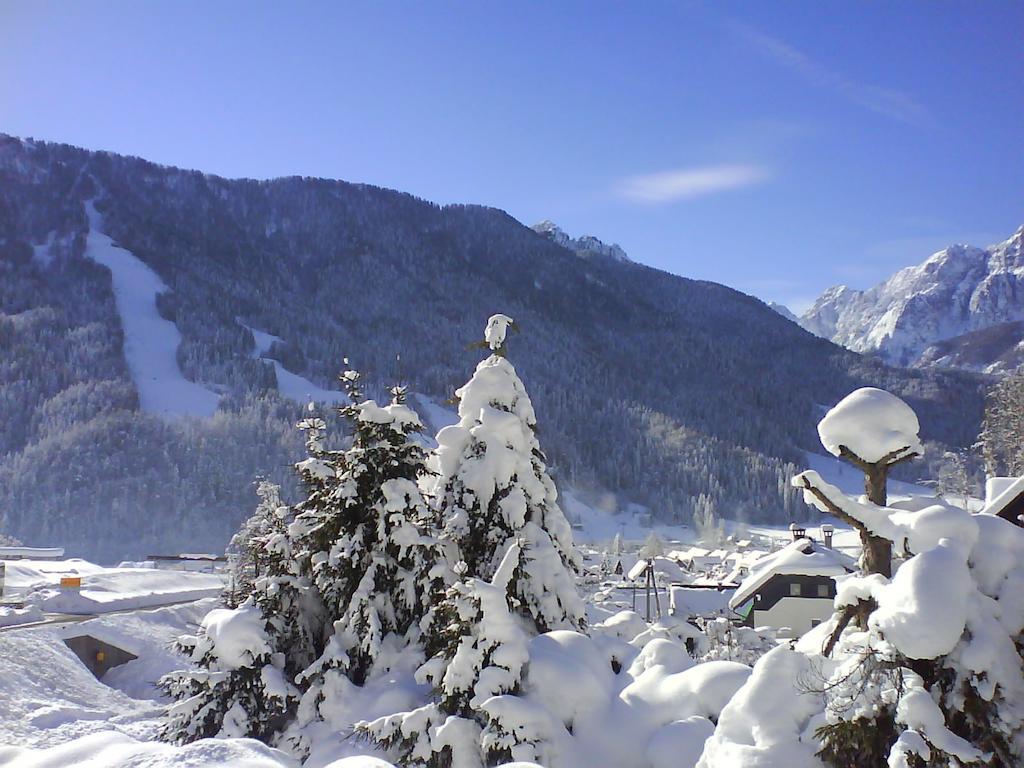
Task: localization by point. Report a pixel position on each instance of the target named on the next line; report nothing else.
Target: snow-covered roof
(872, 423)
(32, 553)
(637, 570)
(685, 601)
(803, 557)
(1005, 494)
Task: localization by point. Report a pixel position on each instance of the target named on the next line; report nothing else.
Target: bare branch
(833, 508)
(844, 620)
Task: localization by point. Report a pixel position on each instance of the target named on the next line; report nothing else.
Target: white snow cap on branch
(237, 636)
(497, 326)
(872, 423)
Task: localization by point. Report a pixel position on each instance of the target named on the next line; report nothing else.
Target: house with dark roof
(791, 590)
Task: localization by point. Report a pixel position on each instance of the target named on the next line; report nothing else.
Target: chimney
(798, 531)
(826, 534)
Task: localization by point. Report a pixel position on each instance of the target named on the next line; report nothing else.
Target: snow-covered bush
(921, 668)
(724, 641)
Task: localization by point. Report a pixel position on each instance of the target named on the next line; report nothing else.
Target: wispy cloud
(686, 183)
(889, 102)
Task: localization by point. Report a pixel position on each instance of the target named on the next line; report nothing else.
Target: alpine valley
(161, 331)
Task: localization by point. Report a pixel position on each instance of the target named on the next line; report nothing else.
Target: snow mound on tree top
(398, 415)
(497, 327)
(923, 611)
(872, 423)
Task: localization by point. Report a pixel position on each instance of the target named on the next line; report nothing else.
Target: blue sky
(776, 147)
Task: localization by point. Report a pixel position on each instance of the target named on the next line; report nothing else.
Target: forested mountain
(671, 392)
(960, 308)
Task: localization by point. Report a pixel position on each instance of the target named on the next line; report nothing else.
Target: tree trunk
(877, 550)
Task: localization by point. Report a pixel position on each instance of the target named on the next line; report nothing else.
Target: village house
(791, 590)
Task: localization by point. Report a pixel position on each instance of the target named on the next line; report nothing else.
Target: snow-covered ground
(150, 341)
(55, 714)
(37, 584)
(657, 711)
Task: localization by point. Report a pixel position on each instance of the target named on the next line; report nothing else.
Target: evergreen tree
(246, 550)
(1002, 432)
(247, 656)
(517, 563)
(493, 489)
(476, 719)
(653, 547)
(366, 548)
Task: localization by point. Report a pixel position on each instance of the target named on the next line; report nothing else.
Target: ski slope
(289, 384)
(150, 342)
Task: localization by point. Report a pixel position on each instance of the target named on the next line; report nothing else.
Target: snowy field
(53, 712)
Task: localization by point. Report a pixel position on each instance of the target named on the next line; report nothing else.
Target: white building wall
(795, 613)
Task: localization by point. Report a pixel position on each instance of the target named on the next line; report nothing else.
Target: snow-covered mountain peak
(959, 290)
(585, 245)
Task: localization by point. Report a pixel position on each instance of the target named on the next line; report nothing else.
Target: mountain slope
(916, 316)
(672, 392)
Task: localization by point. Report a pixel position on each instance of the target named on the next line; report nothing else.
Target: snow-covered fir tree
(477, 719)
(1002, 431)
(518, 564)
(493, 489)
(367, 548)
(246, 551)
(247, 657)
(653, 547)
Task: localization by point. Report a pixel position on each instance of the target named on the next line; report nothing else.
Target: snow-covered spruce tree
(1002, 431)
(477, 719)
(653, 547)
(246, 550)
(518, 565)
(368, 551)
(493, 489)
(246, 657)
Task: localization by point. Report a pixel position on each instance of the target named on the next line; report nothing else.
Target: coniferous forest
(675, 394)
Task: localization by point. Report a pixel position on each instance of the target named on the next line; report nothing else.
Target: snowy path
(150, 342)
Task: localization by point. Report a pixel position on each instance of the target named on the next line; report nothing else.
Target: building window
(794, 589)
(823, 590)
